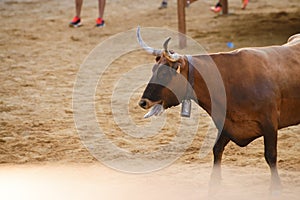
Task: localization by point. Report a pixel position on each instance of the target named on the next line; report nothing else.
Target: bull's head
(167, 86)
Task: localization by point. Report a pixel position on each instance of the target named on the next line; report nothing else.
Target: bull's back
(259, 81)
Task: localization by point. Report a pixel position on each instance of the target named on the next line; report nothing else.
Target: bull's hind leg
(270, 142)
(218, 152)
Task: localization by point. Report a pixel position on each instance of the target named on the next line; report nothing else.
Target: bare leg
(244, 4)
(78, 5)
(218, 152)
(101, 6)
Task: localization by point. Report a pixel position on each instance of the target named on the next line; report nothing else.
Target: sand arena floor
(40, 58)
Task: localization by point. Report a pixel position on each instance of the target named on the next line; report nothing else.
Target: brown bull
(262, 93)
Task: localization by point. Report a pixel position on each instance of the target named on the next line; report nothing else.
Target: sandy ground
(97, 182)
(40, 58)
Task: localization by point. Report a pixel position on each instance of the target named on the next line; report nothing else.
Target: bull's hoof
(275, 190)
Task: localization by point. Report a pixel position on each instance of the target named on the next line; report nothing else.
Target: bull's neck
(205, 80)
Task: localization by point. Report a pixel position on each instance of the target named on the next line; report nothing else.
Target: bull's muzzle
(156, 107)
(146, 103)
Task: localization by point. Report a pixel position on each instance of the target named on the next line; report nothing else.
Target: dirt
(41, 57)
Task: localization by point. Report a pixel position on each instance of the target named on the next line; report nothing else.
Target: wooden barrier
(181, 5)
(224, 4)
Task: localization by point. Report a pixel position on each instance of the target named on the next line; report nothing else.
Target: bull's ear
(178, 69)
(182, 63)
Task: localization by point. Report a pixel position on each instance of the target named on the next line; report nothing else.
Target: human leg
(101, 7)
(78, 6)
(76, 21)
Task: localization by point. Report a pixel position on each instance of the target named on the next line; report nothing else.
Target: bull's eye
(164, 73)
(157, 58)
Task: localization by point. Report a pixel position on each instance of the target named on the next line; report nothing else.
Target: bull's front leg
(218, 152)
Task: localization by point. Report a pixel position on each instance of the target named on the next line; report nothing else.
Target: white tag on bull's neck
(186, 108)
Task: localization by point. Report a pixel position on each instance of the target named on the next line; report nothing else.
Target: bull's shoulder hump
(243, 55)
(294, 39)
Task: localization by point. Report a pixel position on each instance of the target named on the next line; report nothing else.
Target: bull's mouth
(156, 108)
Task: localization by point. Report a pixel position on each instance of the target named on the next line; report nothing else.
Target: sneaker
(100, 22)
(75, 22)
(245, 3)
(163, 5)
(216, 9)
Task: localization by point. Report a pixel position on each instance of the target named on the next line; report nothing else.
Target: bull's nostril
(143, 103)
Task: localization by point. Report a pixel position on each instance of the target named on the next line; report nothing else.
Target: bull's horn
(150, 50)
(173, 57)
(166, 44)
